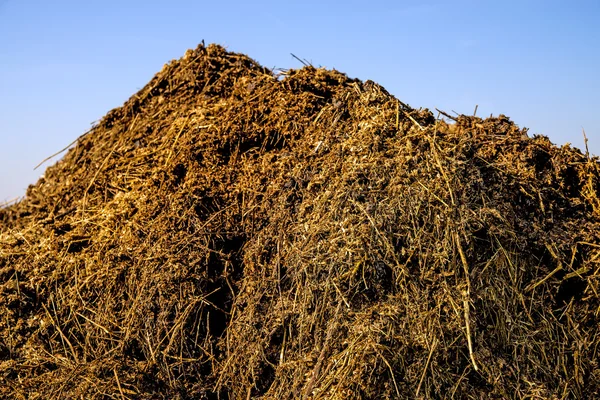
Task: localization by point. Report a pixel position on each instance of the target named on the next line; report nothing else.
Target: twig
(411, 118)
(463, 260)
(550, 275)
(404, 105)
(475, 112)
(442, 170)
(60, 151)
(62, 335)
(119, 383)
(302, 61)
(326, 344)
(433, 346)
(99, 170)
(390, 368)
(9, 202)
(85, 193)
(433, 194)
(468, 325)
(585, 139)
(466, 295)
(18, 288)
(176, 139)
(446, 115)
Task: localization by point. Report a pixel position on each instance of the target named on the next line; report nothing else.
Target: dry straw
(231, 234)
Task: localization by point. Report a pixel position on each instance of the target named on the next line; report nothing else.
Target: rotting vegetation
(230, 234)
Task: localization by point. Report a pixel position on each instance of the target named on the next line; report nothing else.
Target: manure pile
(233, 234)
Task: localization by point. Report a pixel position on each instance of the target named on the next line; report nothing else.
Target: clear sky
(64, 64)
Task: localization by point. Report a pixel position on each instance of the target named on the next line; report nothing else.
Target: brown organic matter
(232, 233)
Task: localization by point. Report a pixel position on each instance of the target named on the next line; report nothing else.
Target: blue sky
(64, 64)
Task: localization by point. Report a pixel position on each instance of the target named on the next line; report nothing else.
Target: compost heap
(233, 233)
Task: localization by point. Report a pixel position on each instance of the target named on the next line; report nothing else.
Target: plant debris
(232, 233)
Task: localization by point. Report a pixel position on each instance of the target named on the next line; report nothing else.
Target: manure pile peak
(229, 233)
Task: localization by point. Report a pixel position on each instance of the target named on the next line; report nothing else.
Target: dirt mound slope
(231, 234)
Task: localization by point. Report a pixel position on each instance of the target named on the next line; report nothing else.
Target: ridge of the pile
(233, 233)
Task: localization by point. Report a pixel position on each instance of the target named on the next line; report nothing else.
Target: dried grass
(230, 233)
